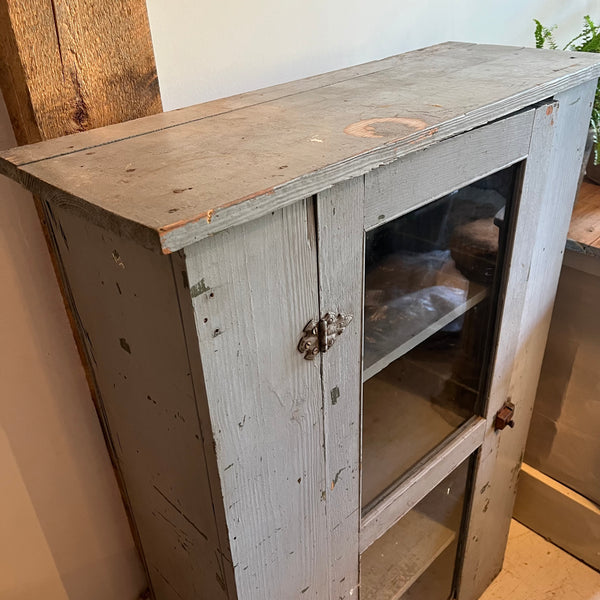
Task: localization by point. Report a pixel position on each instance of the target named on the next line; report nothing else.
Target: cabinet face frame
(399, 189)
(396, 189)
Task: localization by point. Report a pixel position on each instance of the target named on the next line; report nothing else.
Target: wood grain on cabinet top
(171, 179)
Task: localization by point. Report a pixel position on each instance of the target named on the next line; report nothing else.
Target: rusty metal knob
(504, 416)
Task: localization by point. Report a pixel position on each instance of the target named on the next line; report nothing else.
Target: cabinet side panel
(254, 288)
(126, 304)
(548, 192)
(340, 233)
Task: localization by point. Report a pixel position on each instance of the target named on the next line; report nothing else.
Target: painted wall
(63, 532)
(207, 50)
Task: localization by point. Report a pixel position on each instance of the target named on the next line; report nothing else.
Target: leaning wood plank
(67, 66)
(126, 297)
(559, 514)
(182, 191)
(253, 289)
(72, 65)
(340, 238)
(545, 208)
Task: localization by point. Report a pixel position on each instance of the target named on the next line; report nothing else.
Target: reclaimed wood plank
(340, 239)
(449, 54)
(253, 289)
(551, 174)
(182, 191)
(213, 481)
(52, 78)
(127, 306)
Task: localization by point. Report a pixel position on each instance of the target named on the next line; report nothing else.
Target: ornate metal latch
(320, 335)
(504, 416)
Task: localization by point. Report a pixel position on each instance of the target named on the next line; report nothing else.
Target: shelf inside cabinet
(388, 569)
(437, 580)
(409, 408)
(416, 331)
(415, 557)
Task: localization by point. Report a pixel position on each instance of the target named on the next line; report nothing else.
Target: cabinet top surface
(174, 178)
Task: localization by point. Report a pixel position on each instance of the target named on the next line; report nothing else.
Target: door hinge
(319, 336)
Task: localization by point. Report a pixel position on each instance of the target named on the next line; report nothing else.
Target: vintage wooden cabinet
(311, 310)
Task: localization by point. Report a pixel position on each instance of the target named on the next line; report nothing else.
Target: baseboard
(559, 514)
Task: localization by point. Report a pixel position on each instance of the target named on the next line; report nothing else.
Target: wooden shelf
(436, 582)
(405, 416)
(423, 540)
(407, 341)
(395, 561)
(585, 221)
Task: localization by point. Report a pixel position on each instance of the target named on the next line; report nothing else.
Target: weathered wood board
(71, 65)
(127, 306)
(404, 185)
(535, 260)
(253, 288)
(340, 251)
(161, 187)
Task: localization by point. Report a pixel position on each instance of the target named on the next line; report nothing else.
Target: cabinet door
(444, 258)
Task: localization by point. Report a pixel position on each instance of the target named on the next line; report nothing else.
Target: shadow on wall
(62, 524)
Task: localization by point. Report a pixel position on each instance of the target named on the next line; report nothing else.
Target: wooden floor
(585, 222)
(535, 569)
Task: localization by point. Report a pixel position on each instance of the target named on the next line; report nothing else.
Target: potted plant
(588, 40)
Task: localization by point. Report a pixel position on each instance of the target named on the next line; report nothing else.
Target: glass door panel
(415, 559)
(430, 288)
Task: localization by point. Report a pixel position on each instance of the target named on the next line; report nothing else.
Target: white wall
(63, 530)
(206, 50)
(63, 534)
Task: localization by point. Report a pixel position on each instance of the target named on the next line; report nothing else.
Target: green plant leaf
(587, 40)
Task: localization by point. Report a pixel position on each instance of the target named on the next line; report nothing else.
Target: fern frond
(543, 36)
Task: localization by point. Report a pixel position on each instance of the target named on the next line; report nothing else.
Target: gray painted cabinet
(305, 307)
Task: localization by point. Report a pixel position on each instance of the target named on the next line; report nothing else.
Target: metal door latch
(320, 335)
(504, 416)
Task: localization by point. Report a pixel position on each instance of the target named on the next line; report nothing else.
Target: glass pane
(429, 299)
(415, 559)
